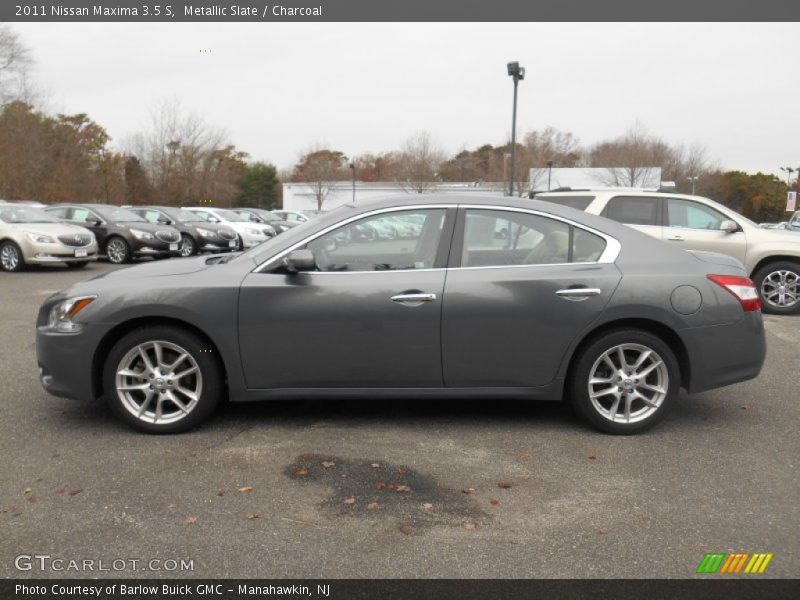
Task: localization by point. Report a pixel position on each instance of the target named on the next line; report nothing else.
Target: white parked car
(250, 234)
(770, 256)
(30, 236)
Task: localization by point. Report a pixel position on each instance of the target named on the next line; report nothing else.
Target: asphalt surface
(248, 495)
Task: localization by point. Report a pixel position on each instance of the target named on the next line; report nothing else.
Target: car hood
(159, 268)
(146, 226)
(46, 228)
(779, 236)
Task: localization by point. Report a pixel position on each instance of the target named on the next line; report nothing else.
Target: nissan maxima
(491, 298)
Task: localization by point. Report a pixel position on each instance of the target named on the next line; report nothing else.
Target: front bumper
(216, 245)
(155, 247)
(65, 362)
(722, 355)
(37, 253)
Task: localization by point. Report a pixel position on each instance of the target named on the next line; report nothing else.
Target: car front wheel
(188, 247)
(162, 379)
(778, 285)
(11, 258)
(624, 381)
(118, 251)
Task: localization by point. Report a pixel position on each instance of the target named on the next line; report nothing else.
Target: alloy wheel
(158, 382)
(781, 288)
(628, 383)
(187, 246)
(9, 257)
(117, 253)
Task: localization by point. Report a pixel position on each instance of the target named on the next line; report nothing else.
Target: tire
(118, 251)
(77, 265)
(198, 392)
(590, 364)
(188, 246)
(11, 258)
(770, 278)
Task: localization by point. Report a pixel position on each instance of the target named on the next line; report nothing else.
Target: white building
(579, 177)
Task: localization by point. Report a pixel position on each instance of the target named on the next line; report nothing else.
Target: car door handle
(675, 238)
(416, 298)
(578, 293)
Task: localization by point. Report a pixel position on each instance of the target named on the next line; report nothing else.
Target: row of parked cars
(76, 234)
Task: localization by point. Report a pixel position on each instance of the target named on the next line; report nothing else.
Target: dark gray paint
(503, 331)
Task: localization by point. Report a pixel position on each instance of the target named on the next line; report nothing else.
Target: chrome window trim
(609, 255)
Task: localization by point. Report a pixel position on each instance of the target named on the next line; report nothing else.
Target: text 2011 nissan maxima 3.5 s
(491, 297)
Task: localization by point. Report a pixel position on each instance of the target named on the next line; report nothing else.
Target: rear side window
(632, 210)
(59, 212)
(579, 202)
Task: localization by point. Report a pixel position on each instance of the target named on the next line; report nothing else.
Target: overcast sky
(278, 89)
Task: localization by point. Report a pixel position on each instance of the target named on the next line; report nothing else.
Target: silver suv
(771, 256)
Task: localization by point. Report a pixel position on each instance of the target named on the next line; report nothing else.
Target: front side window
(383, 242)
(495, 238)
(632, 210)
(151, 215)
(691, 215)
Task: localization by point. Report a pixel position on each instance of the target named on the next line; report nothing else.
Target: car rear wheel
(778, 286)
(118, 251)
(162, 379)
(624, 381)
(11, 258)
(188, 247)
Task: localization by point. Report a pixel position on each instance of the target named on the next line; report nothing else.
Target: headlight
(62, 313)
(142, 235)
(255, 232)
(40, 238)
(206, 232)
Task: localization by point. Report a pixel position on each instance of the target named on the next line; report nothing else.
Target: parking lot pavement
(249, 494)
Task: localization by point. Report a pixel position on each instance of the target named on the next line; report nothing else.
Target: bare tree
(632, 159)
(321, 169)
(15, 65)
(185, 159)
(418, 163)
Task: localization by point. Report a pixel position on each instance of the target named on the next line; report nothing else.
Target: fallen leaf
(469, 526)
(220, 492)
(245, 489)
(328, 464)
(494, 502)
(525, 454)
(467, 490)
(745, 407)
(506, 485)
(60, 490)
(513, 542)
(591, 457)
(402, 470)
(254, 515)
(27, 490)
(427, 505)
(190, 521)
(74, 492)
(344, 475)
(8, 509)
(350, 500)
(602, 531)
(380, 485)
(307, 457)
(376, 465)
(372, 505)
(172, 506)
(299, 472)
(30, 497)
(407, 530)
(402, 488)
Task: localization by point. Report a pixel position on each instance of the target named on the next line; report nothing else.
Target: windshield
(119, 215)
(11, 213)
(268, 216)
(231, 216)
(184, 216)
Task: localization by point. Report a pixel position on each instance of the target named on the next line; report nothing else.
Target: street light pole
(789, 171)
(517, 73)
(353, 168)
(549, 173)
(693, 179)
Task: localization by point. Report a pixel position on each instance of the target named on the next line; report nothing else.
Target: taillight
(742, 288)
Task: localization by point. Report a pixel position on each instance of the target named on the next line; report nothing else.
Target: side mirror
(300, 260)
(213, 220)
(95, 222)
(729, 226)
(163, 221)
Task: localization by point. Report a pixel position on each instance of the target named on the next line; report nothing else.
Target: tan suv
(771, 256)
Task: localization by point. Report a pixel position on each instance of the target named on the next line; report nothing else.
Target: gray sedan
(491, 297)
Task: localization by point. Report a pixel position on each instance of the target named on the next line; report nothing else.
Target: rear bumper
(722, 355)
